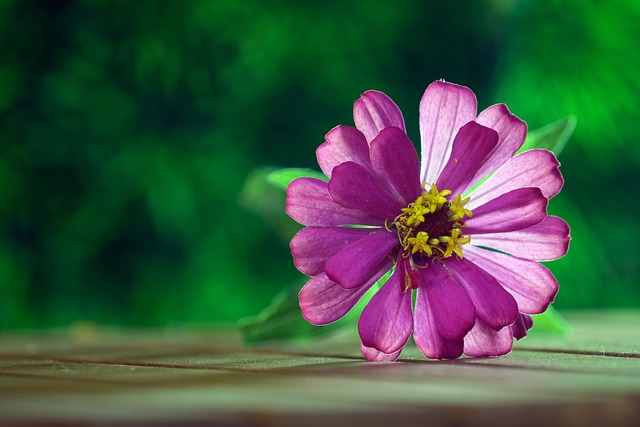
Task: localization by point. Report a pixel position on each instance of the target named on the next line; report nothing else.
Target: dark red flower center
(431, 226)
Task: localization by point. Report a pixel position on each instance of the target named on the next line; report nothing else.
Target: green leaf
(283, 177)
(551, 321)
(259, 196)
(552, 137)
(282, 320)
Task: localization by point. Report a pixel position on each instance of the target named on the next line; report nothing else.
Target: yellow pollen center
(432, 225)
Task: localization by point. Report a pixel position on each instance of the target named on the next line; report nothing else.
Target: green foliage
(263, 194)
(575, 57)
(552, 137)
(283, 177)
(281, 320)
(127, 130)
(551, 322)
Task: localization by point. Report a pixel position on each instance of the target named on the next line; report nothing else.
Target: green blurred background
(134, 136)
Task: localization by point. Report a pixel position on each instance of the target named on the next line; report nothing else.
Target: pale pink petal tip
(374, 355)
(310, 204)
(483, 341)
(343, 144)
(534, 168)
(511, 135)
(375, 111)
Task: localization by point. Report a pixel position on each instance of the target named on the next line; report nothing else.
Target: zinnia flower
(469, 253)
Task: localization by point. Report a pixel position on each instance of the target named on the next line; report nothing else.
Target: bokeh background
(135, 135)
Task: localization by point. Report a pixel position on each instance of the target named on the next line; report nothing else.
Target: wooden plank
(92, 375)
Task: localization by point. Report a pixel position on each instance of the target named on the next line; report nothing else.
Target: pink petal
(511, 131)
(531, 284)
(323, 301)
(494, 305)
(522, 325)
(470, 148)
(353, 265)
(509, 212)
(374, 355)
(375, 111)
(313, 246)
(352, 186)
(534, 168)
(386, 322)
(426, 334)
(343, 144)
(309, 203)
(444, 109)
(394, 157)
(452, 311)
(545, 241)
(484, 341)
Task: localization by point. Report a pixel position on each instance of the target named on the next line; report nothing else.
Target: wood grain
(89, 375)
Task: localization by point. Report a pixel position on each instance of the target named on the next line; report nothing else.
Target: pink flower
(471, 255)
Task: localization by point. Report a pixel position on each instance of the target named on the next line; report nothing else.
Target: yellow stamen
(457, 208)
(420, 243)
(431, 225)
(436, 199)
(453, 243)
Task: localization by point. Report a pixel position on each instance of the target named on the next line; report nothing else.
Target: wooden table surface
(89, 375)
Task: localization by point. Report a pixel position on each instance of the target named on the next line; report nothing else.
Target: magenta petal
(494, 305)
(343, 144)
(509, 212)
(522, 325)
(386, 322)
(545, 241)
(534, 168)
(452, 311)
(394, 157)
(511, 132)
(323, 301)
(375, 111)
(374, 355)
(352, 186)
(313, 246)
(470, 148)
(444, 109)
(309, 203)
(483, 341)
(353, 265)
(426, 334)
(531, 284)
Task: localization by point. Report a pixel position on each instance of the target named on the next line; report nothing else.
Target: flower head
(471, 255)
